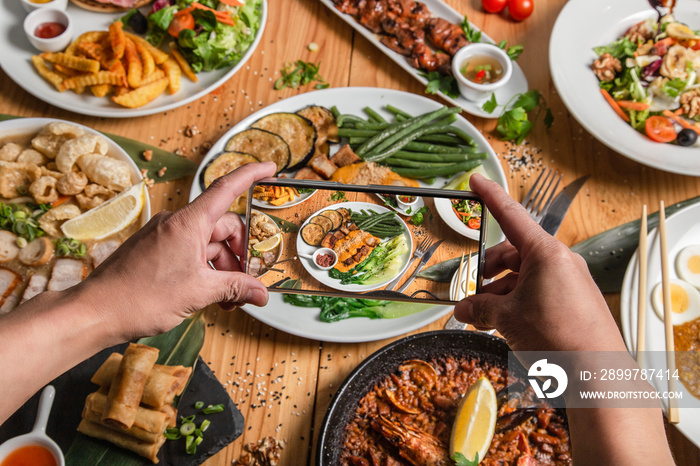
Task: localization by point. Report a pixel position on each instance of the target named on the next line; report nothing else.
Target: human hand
(161, 275)
(548, 301)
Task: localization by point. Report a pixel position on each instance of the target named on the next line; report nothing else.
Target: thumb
(481, 310)
(237, 288)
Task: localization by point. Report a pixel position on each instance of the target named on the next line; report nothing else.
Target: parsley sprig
(299, 74)
(461, 460)
(514, 124)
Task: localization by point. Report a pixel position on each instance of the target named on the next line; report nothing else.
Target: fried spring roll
(127, 388)
(149, 424)
(162, 385)
(145, 449)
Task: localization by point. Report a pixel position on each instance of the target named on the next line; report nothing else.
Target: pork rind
(32, 157)
(15, 177)
(72, 150)
(51, 138)
(44, 190)
(110, 173)
(93, 195)
(10, 151)
(72, 183)
(51, 221)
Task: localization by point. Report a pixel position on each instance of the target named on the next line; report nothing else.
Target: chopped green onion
(21, 242)
(187, 428)
(187, 419)
(205, 425)
(213, 409)
(172, 433)
(199, 405)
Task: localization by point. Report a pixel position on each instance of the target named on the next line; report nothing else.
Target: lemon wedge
(108, 218)
(475, 423)
(269, 244)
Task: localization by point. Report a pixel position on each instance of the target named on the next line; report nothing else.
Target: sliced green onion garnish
(199, 405)
(187, 428)
(213, 409)
(205, 425)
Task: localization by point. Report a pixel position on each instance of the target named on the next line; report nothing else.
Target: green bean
(398, 112)
(350, 132)
(459, 132)
(433, 157)
(447, 120)
(342, 119)
(374, 115)
(400, 129)
(414, 164)
(442, 139)
(385, 149)
(335, 112)
(435, 148)
(440, 171)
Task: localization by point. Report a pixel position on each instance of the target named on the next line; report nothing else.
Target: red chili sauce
(31, 455)
(324, 260)
(49, 30)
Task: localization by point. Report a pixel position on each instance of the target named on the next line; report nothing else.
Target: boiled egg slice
(685, 302)
(688, 264)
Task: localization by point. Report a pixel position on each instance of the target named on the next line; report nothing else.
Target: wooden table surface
(248, 356)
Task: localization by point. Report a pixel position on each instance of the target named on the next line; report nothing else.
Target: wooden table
(249, 357)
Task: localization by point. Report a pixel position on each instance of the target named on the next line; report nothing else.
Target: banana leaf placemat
(177, 167)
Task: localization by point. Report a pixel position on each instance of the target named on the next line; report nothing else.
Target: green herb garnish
(419, 217)
(472, 34)
(514, 124)
(438, 82)
(213, 409)
(70, 247)
(513, 52)
(22, 220)
(337, 196)
(461, 460)
(299, 74)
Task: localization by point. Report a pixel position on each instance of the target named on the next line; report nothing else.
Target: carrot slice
(60, 201)
(615, 105)
(681, 121)
(632, 105)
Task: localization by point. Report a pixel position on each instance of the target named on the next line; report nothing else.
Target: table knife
(424, 260)
(554, 216)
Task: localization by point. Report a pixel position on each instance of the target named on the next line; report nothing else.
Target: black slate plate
(385, 361)
(73, 386)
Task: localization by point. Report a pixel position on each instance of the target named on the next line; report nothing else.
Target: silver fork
(420, 250)
(535, 198)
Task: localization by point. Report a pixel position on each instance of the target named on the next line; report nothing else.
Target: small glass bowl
(48, 15)
(55, 4)
(474, 91)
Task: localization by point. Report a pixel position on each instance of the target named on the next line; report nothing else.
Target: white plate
(466, 275)
(305, 322)
(439, 9)
(444, 210)
(20, 126)
(408, 210)
(297, 201)
(683, 229)
(322, 275)
(584, 24)
(15, 60)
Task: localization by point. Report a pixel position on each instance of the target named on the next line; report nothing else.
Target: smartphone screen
(379, 242)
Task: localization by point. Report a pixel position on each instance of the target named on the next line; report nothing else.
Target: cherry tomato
(474, 223)
(494, 6)
(181, 20)
(660, 129)
(520, 9)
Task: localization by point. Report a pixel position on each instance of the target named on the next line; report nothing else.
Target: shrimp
(51, 221)
(417, 447)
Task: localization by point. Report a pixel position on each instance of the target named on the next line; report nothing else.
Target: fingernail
(464, 311)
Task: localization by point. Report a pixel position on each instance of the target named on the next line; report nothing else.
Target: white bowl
(55, 4)
(474, 91)
(48, 15)
(405, 205)
(325, 251)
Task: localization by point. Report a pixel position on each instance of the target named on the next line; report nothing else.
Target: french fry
(142, 95)
(291, 194)
(101, 77)
(101, 90)
(158, 74)
(117, 39)
(46, 73)
(90, 36)
(69, 72)
(149, 65)
(158, 55)
(183, 63)
(134, 67)
(279, 201)
(121, 90)
(92, 50)
(71, 61)
(173, 72)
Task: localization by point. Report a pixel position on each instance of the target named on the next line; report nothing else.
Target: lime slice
(475, 423)
(270, 243)
(108, 218)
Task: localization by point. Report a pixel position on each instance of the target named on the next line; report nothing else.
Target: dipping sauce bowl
(36, 445)
(40, 20)
(30, 5)
(477, 92)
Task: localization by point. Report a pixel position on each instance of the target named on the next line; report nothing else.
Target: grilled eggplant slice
(224, 164)
(264, 145)
(335, 217)
(298, 132)
(324, 122)
(312, 234)
(325, 222)
(345, 213)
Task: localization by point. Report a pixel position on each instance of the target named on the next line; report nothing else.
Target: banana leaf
(285, 226)
(179, 346)
(607, 254)
(177, 167)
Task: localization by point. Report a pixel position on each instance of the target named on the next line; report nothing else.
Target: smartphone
(331, 239)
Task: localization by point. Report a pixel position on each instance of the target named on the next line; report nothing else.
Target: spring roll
(127, 388)
(145, 449)
(171, 412)
(148, 425)
(162, 385)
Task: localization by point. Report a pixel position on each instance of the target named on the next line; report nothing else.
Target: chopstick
(672, 414)
(459, 279)
(642, 287)
(469, 273)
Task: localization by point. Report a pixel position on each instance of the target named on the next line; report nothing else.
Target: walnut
(191, 131)
(640, 32)
(690, 101)
(606, 66)
(147, 155)
(265, 452)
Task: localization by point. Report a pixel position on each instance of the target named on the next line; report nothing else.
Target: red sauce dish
(30, 455)
(49, 30)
